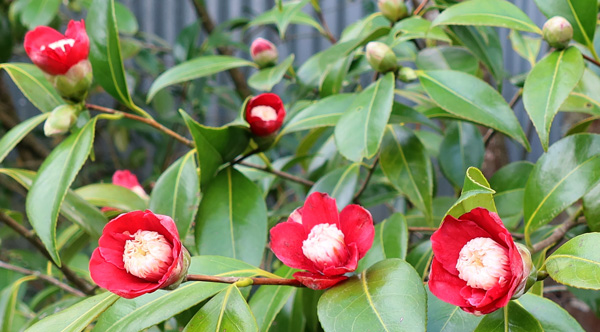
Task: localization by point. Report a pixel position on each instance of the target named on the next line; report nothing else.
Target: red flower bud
(476, 264)
(263, 52)
(265, 114)
(54, 52)
(325, 243)
(125, 178)
(138, 253)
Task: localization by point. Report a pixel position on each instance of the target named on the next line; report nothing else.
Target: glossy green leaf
(549, 314)
(497, 13)
(402, 114)
(232, 218)
(407, 166)
(359, 130)
(580, 13)
(416, 27)
(472, 99)
(339, 184)
(126, 20)
(364, 27)
(512, 318)
(569, 169)
(291, 12)
(77, 317)
(10, 139)
(39, 12)
(591, 208)
(8, 303)
(441, 205)
(582, 126)
(391, 241)
(509, 183)
(548, 85)
(105, 51)
(195, 68)
(577, 262)
(265, 79)
(106, 194)
(526, 46)
(420, 258)
(325, 112)
(269, 300)
(177, 193)
(227, 311)
(461, 148)
(34, 85)
(445, 317)
(52, 183)
(476, 192)
(74, 207)
(447, 57)
(484, 42)
(389, 296)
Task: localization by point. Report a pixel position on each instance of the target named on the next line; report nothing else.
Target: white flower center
(147, 255)
(325, 246)
(483, 263)
(265, 113)
(60, 44)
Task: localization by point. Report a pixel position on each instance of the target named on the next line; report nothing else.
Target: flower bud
(558, 32)
(393, 10)
(529, 272)
(75, 83)
(407, 74)
(60, 120)
(381, 57)
(263, 52)
(265, 114)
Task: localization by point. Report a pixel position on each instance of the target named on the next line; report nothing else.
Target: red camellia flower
(125, 178)
(476, 264)
(325, 243)
(54, 52)
(138, 253)
(265, 114)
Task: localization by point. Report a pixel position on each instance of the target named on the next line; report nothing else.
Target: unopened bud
(75, 83)
(407, 74)
(558, 32)
(263, 52)
(381, 57)
(60, 120)
(529, 272)
(393, 10)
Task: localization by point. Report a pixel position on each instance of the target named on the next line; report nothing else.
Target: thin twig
(80, 283)
(490, 132)
(39, 275)
(150, 122)
(558, 233)
(255, 281)
(592, 60)
(328, 33)
(364, 184)
(281, 174)
(421, 6)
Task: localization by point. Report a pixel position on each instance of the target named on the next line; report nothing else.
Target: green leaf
(339, 184)
(509, 183)
(461, 148)
(484, 42)
(232, 218)
(269, 300)
(420, 258)
(497, 13)
(512, 318)
(476, 192)
(406, 164)
(445, 317)
(526, 46)
(53, 181)
(39, 12)
(34, 85)
(227, 311)
(195, 68)
(105, 52)
(591, 208)
(106, 194)
(332, 79)
(548, 85)
(290, 12)
(402, 114)
(11, 138)
(323, 113)
(74, 208)
(549, 314)
(391, 241)
(577, 262)
(447, 57)
(126, 20)
(415, 27)
(580, 13)
(77, 317)
(472, 99)
(265, 79)
(359, 130)
(8, 303)
(389, 296)
(177, 193)
(569, 169)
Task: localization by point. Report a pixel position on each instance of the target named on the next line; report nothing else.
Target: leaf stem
(244, 280)
(592, 60)
(558, 233)
(281, 174)
(421, 6)
(364, 184)
(39, 275)
(328, 33)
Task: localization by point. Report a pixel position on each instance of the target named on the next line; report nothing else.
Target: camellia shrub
(319, 205)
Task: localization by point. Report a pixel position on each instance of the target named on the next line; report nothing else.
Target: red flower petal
(259, 126)
(317, 281)
(446, 286)
(491, 223)
(125, 178)
(286, 244)
(357, 225)
(350, 265)
(319, 208)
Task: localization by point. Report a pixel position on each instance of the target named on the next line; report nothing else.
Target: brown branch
(239, 80)
(364, 184)
(490, 132)
(558, 233)
(39, 275)
(80, 283)
(281, 174)
(255, 281)
(592, 60)
(421, 6)
(150, 122)
(328, 33)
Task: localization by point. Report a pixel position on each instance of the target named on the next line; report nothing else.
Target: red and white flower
(263, 52)
(325, 243)
(265, 114)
